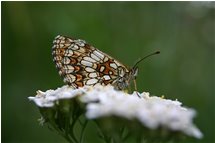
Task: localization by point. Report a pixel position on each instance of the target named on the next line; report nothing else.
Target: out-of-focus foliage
(184, 32)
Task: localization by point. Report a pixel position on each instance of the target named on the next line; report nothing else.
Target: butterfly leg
(135, 87)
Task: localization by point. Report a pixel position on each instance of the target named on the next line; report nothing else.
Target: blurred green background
(184, 32)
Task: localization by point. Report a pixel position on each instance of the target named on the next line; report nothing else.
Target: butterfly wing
(81, 64)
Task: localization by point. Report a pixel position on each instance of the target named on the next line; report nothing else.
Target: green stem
(61, 132)
(71, 127)
(82, 131)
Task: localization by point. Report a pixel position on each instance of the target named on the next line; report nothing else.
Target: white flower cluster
(153, 112)
(50, 97)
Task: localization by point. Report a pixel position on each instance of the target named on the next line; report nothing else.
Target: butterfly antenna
(140, 60)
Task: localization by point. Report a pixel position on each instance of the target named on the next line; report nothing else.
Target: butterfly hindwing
(81, 64)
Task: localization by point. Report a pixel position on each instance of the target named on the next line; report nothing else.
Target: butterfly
(80, 64)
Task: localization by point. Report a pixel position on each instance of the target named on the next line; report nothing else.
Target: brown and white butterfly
(82, 64)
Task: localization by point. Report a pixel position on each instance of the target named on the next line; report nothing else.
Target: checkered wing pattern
(81, 64)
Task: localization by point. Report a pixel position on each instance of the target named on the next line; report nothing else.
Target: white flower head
(104, 101)
(153, 112)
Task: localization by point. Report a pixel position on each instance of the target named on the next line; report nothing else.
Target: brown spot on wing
(77, 68)
(73, 61)
(79, 77)
(108, 68)
(79, 83)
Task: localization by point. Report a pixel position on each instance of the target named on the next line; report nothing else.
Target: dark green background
(184, 32)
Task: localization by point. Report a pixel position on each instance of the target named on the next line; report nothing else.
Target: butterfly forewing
(81, 64)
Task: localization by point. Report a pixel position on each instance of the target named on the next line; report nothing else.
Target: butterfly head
(125, 77)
